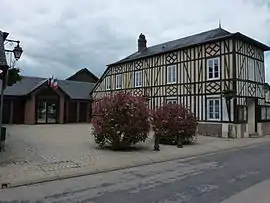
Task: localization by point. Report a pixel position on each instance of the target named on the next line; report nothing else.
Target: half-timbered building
(195, 71)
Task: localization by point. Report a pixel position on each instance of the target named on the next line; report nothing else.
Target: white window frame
(213, 99)
(138, 78)
(172, 100)
(108, 83)
(118, 81)
(171, 74)
(213, 68)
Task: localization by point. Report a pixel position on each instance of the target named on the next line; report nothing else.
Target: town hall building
(196, 71)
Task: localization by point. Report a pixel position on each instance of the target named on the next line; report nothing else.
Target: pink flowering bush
(171, 120)
(120, 120)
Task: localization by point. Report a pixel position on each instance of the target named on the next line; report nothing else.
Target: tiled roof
(74, 89)
(196, 39)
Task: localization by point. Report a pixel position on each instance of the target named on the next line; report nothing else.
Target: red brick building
(33, 101)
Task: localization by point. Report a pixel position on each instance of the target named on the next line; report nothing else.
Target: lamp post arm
(10, 40)
(6, 50)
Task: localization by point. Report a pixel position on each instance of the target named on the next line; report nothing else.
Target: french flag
(52, 82)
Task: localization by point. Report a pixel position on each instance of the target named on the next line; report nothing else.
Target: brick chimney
(141, 42)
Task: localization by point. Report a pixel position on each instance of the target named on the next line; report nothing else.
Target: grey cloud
(61, 37)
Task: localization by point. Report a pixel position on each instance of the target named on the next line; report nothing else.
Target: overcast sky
(59, 37)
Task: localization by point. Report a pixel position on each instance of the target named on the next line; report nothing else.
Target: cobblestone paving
(25, 153)
(46, 150)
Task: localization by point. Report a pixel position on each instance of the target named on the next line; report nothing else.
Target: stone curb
(131, 165)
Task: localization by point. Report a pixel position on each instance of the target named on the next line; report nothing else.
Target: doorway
(252, 115)
(47, 111)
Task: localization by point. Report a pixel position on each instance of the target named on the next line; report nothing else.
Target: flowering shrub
(120, 120)
(172, 120)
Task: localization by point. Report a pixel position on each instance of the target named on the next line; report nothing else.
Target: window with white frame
(213, 68)
(171, 74)
(138, 78)
(213, 108)
(108, 82)
(118, 81)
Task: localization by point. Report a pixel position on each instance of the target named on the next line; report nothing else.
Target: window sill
(213, 119)
(170, 83)
(213, 78)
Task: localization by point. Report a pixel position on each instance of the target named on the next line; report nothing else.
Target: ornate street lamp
(17, 52)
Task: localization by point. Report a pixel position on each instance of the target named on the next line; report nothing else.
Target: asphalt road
(204, 179)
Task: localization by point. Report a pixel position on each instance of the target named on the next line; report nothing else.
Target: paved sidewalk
(258, 193)
(42, 153)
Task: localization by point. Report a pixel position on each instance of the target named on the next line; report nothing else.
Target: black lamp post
(17, 52)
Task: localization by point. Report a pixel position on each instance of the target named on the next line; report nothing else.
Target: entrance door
(47, 111)
(51, 112)
(252, 121)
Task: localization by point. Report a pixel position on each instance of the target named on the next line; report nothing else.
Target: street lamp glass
(17, 51)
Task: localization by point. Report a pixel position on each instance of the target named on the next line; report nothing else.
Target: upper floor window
(213, 68)
(118, 81)
(138, 78)
(171, 74)
(108, 82)
(213, 108)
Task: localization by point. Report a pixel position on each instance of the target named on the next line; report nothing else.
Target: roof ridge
(215, 31)
(189, 36)
(27, 76)
(74, 81)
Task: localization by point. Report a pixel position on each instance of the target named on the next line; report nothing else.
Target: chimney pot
(141, 42)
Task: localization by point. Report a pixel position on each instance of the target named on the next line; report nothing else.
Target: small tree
(121, 120)
(174, 120)
(13, 76)
(228, 95)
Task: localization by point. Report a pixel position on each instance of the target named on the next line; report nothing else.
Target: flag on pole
(52, 82)
(55, 83)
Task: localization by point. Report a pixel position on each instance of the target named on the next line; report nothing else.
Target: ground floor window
(265, 112)
(213, 108)
(242, 113)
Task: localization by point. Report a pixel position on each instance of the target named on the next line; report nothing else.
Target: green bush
(172, 120)
(120, 121)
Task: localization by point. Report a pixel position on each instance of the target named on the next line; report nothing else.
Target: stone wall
(265, 128)
(243, 129)
(214, 130)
